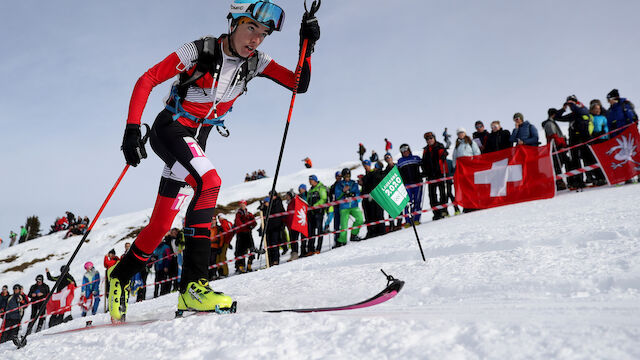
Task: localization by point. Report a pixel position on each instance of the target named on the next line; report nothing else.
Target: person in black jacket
(4, 296)
(372, 211)
(434, 166)
(481, 134)
(37, 292)
(578, 120)
(498, 138)
(12, 318)
(274, 227)
(59, 318)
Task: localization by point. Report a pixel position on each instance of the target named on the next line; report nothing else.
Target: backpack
(627, 106)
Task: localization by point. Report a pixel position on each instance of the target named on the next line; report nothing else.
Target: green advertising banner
(391, 194)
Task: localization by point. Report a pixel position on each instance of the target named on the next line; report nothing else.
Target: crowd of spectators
(256, 175)
(74, 225)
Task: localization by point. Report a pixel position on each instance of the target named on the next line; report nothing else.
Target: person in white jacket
(464, 146)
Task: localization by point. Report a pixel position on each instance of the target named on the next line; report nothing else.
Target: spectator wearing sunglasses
(499, 138)
(482, 135)
(409, 167)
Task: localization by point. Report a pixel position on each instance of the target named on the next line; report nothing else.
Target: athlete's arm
(286, 77)
(159, 73)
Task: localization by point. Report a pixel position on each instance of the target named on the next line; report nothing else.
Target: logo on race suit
(196, 150)
(177, 203)
(498, 176)
(626, 149)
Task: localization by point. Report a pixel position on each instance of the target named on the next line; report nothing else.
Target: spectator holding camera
(579, 120)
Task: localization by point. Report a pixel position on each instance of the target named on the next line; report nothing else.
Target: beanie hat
(112, 251)
(479, 123)
(338, 173)
(552, 112)
(366, 162)
(518, 116)
(243, 202)
(613, 94)
(302, 186)
(461, 130)
(313, 177)
(40, 277)
(572, 98)
(378, 166)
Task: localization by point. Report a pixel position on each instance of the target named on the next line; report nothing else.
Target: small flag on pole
(391, 194)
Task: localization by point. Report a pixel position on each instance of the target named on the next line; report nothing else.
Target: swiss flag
(61, 299)
(298, 221)
(518, 174)
(619, 157)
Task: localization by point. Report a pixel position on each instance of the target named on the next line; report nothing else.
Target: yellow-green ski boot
(199, 297)
(118, 297)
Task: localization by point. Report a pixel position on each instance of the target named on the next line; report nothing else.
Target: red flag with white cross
(62, 299)
(299, 217)
(509, 176)
(619, 157)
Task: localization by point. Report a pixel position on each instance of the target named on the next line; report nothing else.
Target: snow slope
(551, 279)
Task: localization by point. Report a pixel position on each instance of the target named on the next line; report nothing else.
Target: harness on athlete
(209, 61)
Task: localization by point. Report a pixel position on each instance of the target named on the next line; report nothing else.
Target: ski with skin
(390, 291)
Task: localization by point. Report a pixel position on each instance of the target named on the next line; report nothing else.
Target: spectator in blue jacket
(347, 188)
(409, 167)
(620, 113)
(90, 289)
(524, 133)
(161, 266)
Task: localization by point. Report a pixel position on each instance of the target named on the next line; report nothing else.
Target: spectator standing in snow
(293, 235)
(90, 298)
(66, 280)
(37, 293)
(316, 196)
(11, 318)
(372, 211)
(307, 163)
(334, 210)
(227, 236)
(4, 296)
(434, 163)
(347, 188)
(482, 135)
(162, 263)
(621, 111)
(578, 120)
(464, 146)
(387, 145)
(499, 138)
(361, 150)
(374, 157)
(525, 133)
(409, 167)
(23, 234)
(447, 139)
(554, 136)
(13, 237)
(275, 227)
(600, 128)
(245, 221)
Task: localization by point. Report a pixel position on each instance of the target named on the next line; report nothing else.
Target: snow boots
(198, 296)
(118, 297)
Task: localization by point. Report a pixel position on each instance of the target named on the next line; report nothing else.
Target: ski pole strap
(179, 112)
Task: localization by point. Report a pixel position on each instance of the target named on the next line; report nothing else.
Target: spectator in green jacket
(348, 188)
(23, 234)
(316, 196)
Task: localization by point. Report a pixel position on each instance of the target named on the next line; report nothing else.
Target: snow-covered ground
(551, 279)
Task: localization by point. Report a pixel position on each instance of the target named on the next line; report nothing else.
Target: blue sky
(381, 69)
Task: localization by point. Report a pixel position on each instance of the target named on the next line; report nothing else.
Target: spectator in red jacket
(227, 235)
(245, 221)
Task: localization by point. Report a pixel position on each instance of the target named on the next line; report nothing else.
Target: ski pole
(314, 8)
(21, 342)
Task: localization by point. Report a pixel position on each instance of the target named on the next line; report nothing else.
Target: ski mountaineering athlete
(212, 74)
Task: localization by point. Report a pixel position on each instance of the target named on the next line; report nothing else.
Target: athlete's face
(248, 36)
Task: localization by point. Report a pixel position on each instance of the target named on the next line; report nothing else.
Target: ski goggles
(266, 13)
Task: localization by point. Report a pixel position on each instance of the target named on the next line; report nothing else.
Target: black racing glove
(132, 145)
(310, 30)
